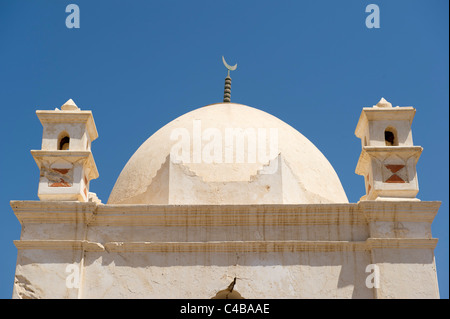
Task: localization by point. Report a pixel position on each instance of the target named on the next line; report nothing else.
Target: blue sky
(140, 64)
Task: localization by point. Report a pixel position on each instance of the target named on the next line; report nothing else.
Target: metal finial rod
(227, 91)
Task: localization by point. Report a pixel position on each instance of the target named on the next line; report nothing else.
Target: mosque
(213, 205)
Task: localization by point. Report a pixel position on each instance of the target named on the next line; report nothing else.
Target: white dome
(302, 174)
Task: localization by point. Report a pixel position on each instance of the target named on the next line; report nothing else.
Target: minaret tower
(65, 159)
(388, 158)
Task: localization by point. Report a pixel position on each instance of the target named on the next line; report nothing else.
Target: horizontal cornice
(77, 116)
(228, 215)
(53, 211)
(382, 152)
(230, 246)
(402, 211)
(41, 156)
(59, 245)
(93, 214)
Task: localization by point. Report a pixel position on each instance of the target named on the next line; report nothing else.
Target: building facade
(227, 197)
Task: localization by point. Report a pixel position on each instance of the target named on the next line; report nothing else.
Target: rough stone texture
(200, 275)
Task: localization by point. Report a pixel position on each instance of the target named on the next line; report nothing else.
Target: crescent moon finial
(230, 68)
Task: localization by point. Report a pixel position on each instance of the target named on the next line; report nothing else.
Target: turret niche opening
(63, 142)
(390, 136)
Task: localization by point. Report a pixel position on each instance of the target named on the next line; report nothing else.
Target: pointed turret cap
(69, 106)
(383, 103)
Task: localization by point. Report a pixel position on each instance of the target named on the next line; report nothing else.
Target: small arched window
(390, 136)
(63, 141)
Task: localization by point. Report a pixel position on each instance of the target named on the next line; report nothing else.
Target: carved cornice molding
(381, 152)
(230, 246)
(227, 215)
(77, 116)
(41, 157)
(92, 214)
(53, 211)
(58, 245)
(402, 243)
(235, 246)
(399, 211)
